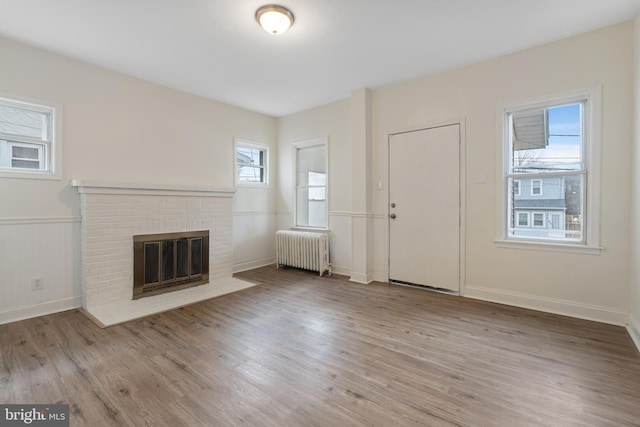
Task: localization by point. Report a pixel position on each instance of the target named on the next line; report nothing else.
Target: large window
(251, 163)
(29, 145)
(550, 178)
(311, 183)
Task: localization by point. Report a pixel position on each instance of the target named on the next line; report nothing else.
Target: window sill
(549, 247)
(8, 173)
(252, 185)
(311, 229)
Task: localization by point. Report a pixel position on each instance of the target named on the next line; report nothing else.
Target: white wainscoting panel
(340, 242)
(45, 248)
(380, 248)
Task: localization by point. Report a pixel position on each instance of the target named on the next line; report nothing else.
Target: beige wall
(331, 120)
(592, 286)
(634, 318)
(577, 284)
(118, 128)
(115, 129)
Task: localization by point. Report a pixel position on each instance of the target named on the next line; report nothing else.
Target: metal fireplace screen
(169, 262)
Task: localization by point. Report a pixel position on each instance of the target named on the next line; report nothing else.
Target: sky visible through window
(564, 139)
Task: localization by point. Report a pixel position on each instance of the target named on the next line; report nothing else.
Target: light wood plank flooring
(299, 350)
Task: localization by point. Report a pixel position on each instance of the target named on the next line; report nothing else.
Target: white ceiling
(215, 48)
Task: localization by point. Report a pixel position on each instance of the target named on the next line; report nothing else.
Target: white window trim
(518, 219)
(592, 157)
(245, 143)
(321, 141)
(533, 220)
(53, 155)
(532, 187)
(519, 181)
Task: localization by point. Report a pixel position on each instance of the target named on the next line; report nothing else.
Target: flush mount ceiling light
(274, 19)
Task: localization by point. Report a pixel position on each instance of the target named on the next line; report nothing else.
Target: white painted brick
(110, 221)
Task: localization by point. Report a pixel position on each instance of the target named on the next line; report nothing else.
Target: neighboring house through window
(30, 143)
(549, 148)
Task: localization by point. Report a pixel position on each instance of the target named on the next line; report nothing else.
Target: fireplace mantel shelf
(98, 187)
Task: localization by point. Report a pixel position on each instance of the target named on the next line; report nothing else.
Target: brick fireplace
(113, 213)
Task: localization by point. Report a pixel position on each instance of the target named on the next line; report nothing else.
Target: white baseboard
(250, 265)
(634, 330)
(549, 305)
(361, 277)
(50, 307)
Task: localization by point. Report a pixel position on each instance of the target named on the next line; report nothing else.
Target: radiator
(301, 249)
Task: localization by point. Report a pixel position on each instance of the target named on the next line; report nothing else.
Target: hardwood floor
(300, 350)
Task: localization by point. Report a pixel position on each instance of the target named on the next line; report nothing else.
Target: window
(251, 163)
(551, 147)
(516, 187)
(536, 187)
(29, 143)
(523, 219)
(538, 219)
(311, 183)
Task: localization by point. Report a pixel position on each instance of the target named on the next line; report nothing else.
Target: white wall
(330, 120)
(116, 129)
(634, 318)
(589, 286)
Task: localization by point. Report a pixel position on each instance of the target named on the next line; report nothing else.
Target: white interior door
(424, 207)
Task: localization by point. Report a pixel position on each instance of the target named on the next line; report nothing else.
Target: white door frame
(463, 193)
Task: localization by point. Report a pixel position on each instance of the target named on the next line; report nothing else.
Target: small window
(251, 163)
(538, 219)
(536, 187)
(523, 219)
(516, 187)
(29, 147)
(311, 183)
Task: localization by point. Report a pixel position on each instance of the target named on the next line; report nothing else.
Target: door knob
(393, 205)
(392, 216)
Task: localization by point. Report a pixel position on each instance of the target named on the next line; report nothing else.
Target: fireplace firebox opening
(169, 262)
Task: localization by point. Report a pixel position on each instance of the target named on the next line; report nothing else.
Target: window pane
(536, 187)
(183, 258)
(250, 174)
(251, 164)
(167, 260)
(547, 140)
(311, 160)
(196, 256)
(151, 266)
(302, 208)
(311, 186)
(538, 220)
(557, 214)
(19, 152)
(25, 164)
(523, 219)
(23, 122)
